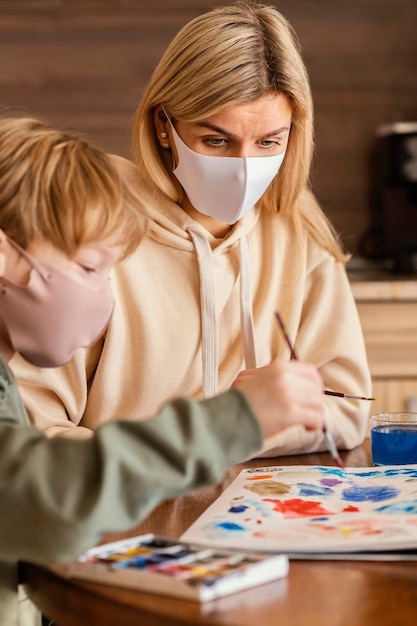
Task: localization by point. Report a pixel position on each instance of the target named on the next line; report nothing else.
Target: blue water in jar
(394, 444)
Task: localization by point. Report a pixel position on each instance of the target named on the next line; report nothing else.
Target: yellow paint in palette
(199, 571)
(136, 550)
(120, 557)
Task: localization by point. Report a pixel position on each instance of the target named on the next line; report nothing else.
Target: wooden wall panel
(83, 64)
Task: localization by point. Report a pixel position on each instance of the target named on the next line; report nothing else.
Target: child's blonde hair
(57, 187)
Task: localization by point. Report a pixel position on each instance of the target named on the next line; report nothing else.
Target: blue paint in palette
(394, 445)
(166, 566)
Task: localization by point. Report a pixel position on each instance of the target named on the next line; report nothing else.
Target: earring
(165, 146)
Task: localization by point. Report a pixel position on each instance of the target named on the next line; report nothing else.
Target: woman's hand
(283, 394)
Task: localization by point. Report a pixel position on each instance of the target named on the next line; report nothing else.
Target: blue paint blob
(375, 493)
(403, 471)
(407, 507)
(230, 526)
(378, 471)
(313, 490)
(332, 471)
(241, 508)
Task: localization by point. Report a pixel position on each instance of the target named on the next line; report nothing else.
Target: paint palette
(316, 512)
(164, 566)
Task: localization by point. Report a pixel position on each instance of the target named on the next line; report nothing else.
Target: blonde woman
(223, 141)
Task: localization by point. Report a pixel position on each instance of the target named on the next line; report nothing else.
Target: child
(65, 218)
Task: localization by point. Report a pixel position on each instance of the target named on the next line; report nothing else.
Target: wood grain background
(83, 64)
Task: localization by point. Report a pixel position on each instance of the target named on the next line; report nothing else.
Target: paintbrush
(327, 392)
(340, 394)
(327, 434)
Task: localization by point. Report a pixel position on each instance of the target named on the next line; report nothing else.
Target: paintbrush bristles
(331, 445)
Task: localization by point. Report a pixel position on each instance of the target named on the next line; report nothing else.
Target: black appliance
(396, 194)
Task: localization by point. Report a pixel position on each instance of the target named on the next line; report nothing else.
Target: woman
(223, 141)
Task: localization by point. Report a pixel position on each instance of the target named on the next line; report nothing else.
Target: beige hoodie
(192, 311)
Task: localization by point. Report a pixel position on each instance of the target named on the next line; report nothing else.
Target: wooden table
(316, 593)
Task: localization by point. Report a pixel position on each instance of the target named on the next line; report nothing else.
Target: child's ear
(3, 252)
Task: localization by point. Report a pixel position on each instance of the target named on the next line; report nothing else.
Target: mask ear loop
(174, 132)
(166, 114)
(42, 271)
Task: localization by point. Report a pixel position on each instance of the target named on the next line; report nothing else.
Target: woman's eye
(268, 143)
(215, 141)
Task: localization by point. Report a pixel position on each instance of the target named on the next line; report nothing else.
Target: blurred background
(83, 64)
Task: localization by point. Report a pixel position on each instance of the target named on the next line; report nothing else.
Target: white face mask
(225, 188)
(52, 315)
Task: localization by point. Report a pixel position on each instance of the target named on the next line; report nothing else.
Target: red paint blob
(296, 507)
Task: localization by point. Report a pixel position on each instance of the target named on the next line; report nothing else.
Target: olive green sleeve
(58, 496)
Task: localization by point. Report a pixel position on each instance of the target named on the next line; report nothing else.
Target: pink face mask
(53, 315)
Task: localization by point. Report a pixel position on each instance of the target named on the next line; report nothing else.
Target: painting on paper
(314, 509)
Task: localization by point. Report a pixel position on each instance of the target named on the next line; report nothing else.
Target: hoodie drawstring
(246, 311)
(209, 323)
(209, 328)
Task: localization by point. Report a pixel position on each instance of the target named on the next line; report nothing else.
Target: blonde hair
(57, 187)
(229, 56)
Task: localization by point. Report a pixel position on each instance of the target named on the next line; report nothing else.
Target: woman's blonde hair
(57, 187)
(229, 56)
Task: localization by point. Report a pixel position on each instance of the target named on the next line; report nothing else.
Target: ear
(162, 127)
(4, 249)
